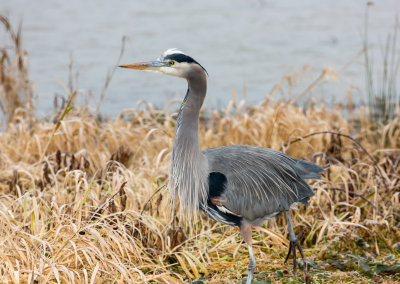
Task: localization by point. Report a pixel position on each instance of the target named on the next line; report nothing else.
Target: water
(246, 46)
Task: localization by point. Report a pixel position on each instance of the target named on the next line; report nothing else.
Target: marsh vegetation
(83, 198)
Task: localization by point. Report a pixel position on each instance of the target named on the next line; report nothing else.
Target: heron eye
(171, 63)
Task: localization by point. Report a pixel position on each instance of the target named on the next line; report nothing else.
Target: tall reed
(381, 84)
(16, 89)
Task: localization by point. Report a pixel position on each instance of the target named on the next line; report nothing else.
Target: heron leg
(173, 214)
(293, 244)
(245, 229)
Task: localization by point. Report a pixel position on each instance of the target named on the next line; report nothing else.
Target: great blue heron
(237, 185)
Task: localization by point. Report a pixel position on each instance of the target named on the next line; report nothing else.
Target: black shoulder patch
(216, 184)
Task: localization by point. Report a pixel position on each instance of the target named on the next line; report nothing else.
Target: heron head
(172, 62)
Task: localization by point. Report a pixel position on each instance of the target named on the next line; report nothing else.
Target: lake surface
(246, 46)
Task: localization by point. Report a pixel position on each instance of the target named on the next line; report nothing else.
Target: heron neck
(186, 134)
(189, 170)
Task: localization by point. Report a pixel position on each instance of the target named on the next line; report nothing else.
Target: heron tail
(308, 170)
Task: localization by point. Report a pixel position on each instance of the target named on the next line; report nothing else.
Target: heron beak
(151, 65)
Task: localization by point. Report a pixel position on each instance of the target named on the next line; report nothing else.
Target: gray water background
(246, 46)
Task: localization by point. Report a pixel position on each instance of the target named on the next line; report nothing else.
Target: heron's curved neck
(186, 134)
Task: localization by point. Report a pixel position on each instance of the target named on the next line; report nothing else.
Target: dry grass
(73, 195)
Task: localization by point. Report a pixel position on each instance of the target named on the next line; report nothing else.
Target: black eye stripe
(180, 57)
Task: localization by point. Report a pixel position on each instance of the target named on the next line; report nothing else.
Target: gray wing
(261, 182)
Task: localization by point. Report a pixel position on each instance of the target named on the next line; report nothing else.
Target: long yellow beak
(143, 65)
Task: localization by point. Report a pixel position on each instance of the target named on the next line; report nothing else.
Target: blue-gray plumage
(260, 183)
(237, 185)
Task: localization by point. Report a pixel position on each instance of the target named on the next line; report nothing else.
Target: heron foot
(293, 244)
(251, 268)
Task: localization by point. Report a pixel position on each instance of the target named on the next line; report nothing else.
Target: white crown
(171, 51)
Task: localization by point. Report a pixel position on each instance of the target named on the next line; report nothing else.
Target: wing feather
(261, 182)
